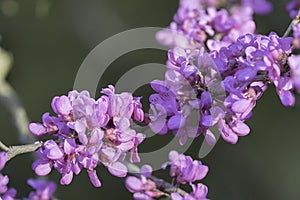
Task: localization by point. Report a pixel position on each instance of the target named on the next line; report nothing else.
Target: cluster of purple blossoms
(293, 7)
(200, 23)
(143, 188)
(244, 69)
(260, 7)
(5, 193)
(260, 59)
(183, 169)
(199, 193)
(186, 170)
(44, 190)
(296, 36)
(247, 68)
(188, 100)
(89, 132)
(294, 60)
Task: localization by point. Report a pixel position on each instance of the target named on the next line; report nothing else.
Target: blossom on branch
(89, 132)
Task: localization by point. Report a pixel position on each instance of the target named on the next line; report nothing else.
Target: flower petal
(117, 169)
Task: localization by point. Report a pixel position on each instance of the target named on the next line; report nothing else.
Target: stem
(4, 147)
(295, 21)
(20, 149)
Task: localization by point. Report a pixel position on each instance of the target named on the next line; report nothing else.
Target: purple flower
(296, 36)
(197, 21)
(49, 126)
(3, 159)
(89, 132)
(62, 106)
(47, 157)
(111, 158)
(294, 63)
(260, 7)
(5, 192)
(143, 188)
(293, 8)
(3, 183)
(199, 193)
(247, 68)
(185, 169)
(184, 93)
(138, 113)
(182, 168)
(9, 194)
(44, 190)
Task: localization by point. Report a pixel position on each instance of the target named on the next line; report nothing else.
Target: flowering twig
(295, 21)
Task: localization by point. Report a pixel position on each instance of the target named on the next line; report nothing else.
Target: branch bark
(20, 149)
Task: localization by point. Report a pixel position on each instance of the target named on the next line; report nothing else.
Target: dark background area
(50, 39)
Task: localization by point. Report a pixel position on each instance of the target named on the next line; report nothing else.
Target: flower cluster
(243, 69)
(296, 36)
(143, 188)
(184, 101)
(201, 23)
(183, 169)
(5, 193)
(186, 170)
(89, 132)
(293, 8)
(44, 189)
(199, 193)
(247, 68)
(260, 7)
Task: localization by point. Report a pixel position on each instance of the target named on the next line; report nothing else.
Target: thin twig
(4, 147)
(20, 149)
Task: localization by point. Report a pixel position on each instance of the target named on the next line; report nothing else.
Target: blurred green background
(50, 39)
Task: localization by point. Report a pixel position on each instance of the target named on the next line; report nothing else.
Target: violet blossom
(293, 8)
(260, 7)
(183, 102)
(89, 132)
(44, 190)
(143, 188)
(5, 192)
(294, 63)
(296, 36)
(184, 169)
(198, 24)
(199, 193)
(244, 69)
